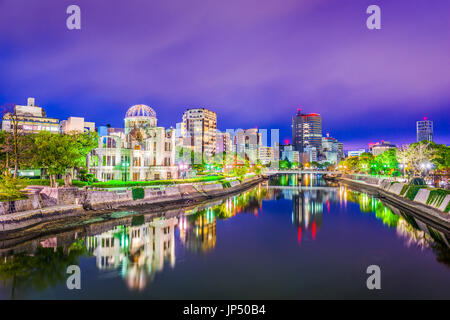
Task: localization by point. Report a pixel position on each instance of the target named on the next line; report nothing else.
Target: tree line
(58, 154)
(412, 160)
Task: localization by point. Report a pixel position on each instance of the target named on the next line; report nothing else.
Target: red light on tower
(286, 141)
(425, 118)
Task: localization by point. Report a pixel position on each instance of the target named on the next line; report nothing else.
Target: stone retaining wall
(421, 197)
(46, 197)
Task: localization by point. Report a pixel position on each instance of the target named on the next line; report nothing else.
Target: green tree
(441, 156)
(61, 153)
(365, 161)
(386, 162)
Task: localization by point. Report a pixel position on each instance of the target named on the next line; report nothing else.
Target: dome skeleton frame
(140, 111)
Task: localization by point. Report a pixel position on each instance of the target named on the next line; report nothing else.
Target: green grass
(404, 189)
(124, 184)
(437, 196)
(412, 191)
(226, 184)
(46, 182)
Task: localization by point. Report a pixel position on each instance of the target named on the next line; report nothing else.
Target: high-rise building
(29, 119)
(306, 131)
(246, 144)
(424, 130)
(199, 131)
(330, 149)
(223, 142)
(340, 151)
(267, 155)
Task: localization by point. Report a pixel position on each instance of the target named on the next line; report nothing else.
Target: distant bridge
(272, 172)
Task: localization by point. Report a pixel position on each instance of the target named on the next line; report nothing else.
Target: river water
(292, 237)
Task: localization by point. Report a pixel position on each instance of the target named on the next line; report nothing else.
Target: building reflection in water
(307, 208)
(198, 226)
(198, 232)
(311, 197)
(138, 251)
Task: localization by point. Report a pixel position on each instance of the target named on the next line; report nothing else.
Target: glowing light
(314, 230)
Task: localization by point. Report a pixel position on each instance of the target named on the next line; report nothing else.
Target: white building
(330, 149)
(29, 119)
(142, 152)
(288, 152)
(77, 124)
(379, 148)
(223, 142)
(246, 144)
(267, 155)
(309, 155)
(356, 153)
(198, 131)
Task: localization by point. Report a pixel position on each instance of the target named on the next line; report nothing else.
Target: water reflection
(139, 249)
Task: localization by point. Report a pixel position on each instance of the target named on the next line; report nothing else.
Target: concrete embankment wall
(432, 208)
(45, 204)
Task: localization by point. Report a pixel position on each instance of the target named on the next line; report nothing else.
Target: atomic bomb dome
(140, 111)
(140, 116)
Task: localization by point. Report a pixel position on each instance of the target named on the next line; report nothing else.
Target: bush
(79, 184)
(10, 188)
(418, 181)
(46, 182)
(138, 193)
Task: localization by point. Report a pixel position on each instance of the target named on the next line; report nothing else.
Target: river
(293, 237)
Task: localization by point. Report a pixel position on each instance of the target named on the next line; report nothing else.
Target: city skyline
(265, 151)
(285, 141)
(252, 67)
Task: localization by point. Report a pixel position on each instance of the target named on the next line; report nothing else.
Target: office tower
(424, 130)
(306, 131)
(199, 130)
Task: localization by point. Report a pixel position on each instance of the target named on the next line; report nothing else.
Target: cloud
(254, 62)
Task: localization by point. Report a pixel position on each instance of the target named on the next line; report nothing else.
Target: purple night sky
(254, 62)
